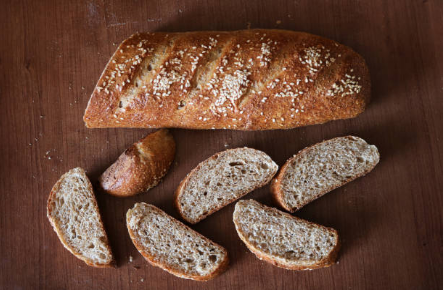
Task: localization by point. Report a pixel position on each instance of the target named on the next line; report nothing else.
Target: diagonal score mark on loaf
(147, 71)
(273, 73)
(205, 71)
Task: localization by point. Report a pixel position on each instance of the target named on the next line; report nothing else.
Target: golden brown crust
(140, 167)
(65, 243)
(153, 261)
(243, 80)
(183, 183)
(276, 190)
(326, 262)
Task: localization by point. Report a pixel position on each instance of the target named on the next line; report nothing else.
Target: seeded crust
(135, 218)
(281, 195)
(220, 180)
(283, 220)
(70, 225)
(141, 167)
(244, 80)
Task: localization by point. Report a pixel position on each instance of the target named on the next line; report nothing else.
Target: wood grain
(390, 221)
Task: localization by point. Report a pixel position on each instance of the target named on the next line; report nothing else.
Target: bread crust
(141, 167)
(179, 191)
(326, 262)
(244, 80)
(64, 242)
(152, 260)
(276, 190)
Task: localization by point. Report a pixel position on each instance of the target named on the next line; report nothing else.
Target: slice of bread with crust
(318, 169)
(283, 240)
(169, 244)
(140, 167)
(222, 179)
(72, 211)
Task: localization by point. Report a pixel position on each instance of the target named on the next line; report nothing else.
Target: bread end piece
(88, 243)
(286, 224)
(292, 195)
(141, 167)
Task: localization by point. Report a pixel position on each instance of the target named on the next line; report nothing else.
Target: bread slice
(167, 243)
(222, 179)
(140, 167)
(283, 240)
(318, 169)
(72, 211)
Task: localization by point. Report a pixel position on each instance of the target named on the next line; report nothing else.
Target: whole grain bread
(73, 213)
(220, 180)
(245, 80)
(319, 169)
(167, 243)
(283, 240)
(140, 167)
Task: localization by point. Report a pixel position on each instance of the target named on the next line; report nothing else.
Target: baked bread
(73, 213)
(283, 240)
(245, 80)
(319, 169)
(220, 180)
(141, 166)
(167, 243)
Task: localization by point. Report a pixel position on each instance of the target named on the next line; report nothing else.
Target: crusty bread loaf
(167, 243)
(319, 169)
(141, 166)
(222, 179)
(284, 240)
(73, 213)
(244, 80)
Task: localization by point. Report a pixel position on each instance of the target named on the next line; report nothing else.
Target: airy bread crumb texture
(222, 179)
(324, 167)
(169, 244)
(284, 240)
(73, 212)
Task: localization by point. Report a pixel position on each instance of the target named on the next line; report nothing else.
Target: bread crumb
(278, 22)
(141, 280)
(130, 259)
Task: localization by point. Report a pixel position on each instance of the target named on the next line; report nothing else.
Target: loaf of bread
(319, 169)
(73, 213)
(243, 80)
(141, 166)
(167, 243)
(221, 179)
(284, 240)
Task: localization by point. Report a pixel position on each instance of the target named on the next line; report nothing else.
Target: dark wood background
(390, 222)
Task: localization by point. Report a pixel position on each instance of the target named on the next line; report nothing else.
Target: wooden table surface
(390, 222)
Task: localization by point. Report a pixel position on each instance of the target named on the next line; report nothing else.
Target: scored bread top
(284, 240)
(167, 243)
(321, 168)
(222, 179)
(246, 80)
(73, 213)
